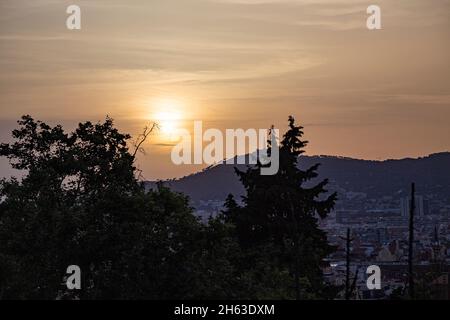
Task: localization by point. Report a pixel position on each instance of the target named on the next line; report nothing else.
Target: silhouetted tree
(259, 277)
(80, 203)
(282, 211)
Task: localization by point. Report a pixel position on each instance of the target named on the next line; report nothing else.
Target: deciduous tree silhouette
(80, 203)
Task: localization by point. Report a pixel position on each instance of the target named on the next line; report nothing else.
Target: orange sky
(235, 64)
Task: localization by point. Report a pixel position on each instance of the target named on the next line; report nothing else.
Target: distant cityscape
(378, 223)
(379, 228)
(380, 234)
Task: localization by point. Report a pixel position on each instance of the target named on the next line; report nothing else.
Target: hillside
(375, 178)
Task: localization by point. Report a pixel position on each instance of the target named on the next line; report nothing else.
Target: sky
(369, 94)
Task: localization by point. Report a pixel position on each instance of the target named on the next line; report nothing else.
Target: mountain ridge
(374, 177)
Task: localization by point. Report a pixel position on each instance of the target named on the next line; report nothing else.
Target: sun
(169, 115)
(168, 122)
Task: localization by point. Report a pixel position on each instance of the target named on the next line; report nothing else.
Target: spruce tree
(283, 210)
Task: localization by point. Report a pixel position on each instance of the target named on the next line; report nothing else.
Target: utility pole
(348, 290)
(412, 208)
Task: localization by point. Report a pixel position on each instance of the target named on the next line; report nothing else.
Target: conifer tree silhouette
(283, 209)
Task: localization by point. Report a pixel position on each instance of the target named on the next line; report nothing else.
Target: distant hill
(375, 178)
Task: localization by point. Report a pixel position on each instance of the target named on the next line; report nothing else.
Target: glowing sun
(169, 115)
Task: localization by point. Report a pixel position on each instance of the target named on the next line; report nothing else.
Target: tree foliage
(79, 202)
(283, 210)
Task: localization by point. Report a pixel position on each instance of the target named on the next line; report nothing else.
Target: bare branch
(143, 137)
